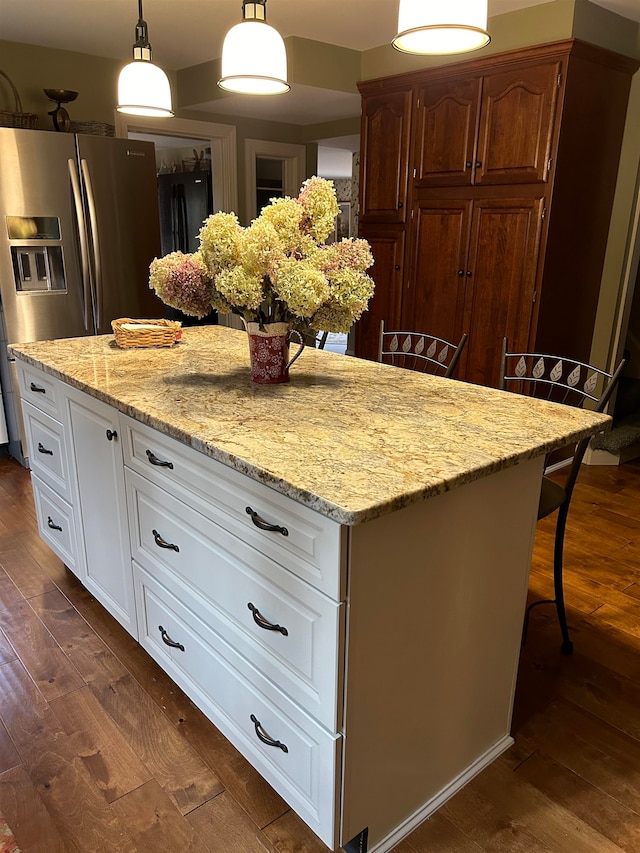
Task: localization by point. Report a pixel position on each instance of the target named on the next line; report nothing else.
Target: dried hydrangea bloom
(182, 282)
(260, 248)
(219, 242)
(318, 198)
(285, 215)
(301, 285)
(240, 289)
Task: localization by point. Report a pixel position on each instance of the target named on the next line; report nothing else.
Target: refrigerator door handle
(95, 240)
(82, 234)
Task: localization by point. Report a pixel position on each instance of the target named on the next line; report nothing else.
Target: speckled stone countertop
(349, 438)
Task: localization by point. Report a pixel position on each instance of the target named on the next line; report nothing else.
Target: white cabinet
(238, 593)
(51, 475)
(330, 656)
(94, 443)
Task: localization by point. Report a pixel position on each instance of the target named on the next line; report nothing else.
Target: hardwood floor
(100, 751)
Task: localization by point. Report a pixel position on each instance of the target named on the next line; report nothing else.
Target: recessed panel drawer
(289, 630)
(56, 523)
(294, 754)
(47, 452)
(307, 543)
(39, 388)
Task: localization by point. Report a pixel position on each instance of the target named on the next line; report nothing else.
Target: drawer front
(39, 388)
(311, 546)
(288, 629)
(47, 453)
(243, 705)
(56, 523)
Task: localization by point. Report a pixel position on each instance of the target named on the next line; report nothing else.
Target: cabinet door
(385, 156)
(434, 298)
(387, 246)
(503, 257)
(516, 125)
(102, 505)
(445, 135)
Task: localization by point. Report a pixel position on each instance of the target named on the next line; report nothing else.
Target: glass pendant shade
(254, 58)
(441, 26)
(143, 90)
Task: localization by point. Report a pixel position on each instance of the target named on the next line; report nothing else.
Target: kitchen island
(334, 570)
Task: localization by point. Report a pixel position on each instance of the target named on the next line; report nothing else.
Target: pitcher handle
(301, 346)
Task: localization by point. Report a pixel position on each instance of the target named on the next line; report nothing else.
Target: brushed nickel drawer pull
(159, 462)
(265, 737)
(259, 619)
(162, 543)
(51, 523)
(43, 449)
(37, 388)
(166, 639)
(264, 525)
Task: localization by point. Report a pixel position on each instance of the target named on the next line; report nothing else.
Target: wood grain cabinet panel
(436, 291)
(504, 245)
(516, 125)
(384, 141)
(445, 136)
(388, 248)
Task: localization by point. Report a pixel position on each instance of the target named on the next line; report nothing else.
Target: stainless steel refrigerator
(79, 227)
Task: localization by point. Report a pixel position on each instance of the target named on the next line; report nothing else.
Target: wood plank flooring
(100, 751)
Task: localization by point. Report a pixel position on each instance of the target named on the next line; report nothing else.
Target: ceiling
(189, 32)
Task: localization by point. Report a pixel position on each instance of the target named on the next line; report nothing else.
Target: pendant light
(254, 59)
(143, 88)
(441, 26)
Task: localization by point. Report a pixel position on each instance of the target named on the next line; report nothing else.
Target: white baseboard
(404, 829)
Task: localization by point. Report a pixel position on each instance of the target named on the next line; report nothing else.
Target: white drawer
(292, 632)
(56, 523)
(236, 697)
(311, 546)
(47, 452)
(39, 388)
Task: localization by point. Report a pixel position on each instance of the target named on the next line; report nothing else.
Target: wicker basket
(95, 128)
(17, 118)
(146, 333)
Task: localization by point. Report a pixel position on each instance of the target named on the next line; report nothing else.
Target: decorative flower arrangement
(277, 270)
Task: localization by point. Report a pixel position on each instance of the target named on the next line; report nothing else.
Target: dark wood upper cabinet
(516, 125)
(495, 180)
(384, 154)
(446, 126)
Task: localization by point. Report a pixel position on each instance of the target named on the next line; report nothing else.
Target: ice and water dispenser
(36, 253)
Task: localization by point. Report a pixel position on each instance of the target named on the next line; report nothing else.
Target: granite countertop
(350, 438)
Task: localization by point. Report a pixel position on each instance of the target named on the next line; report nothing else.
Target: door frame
(221, 137)
(294, 158)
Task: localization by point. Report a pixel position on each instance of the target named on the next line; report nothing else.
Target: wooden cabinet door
(445, 132)
(516, 125)
(384, 142)
(434, 297)
(387, 246)
(503, 259)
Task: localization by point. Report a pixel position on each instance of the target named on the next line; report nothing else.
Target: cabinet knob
(469, 273)
(400, 205)
(478, 164)
(468, 164)
(111, 434)
(461, 273)
(397, 266)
